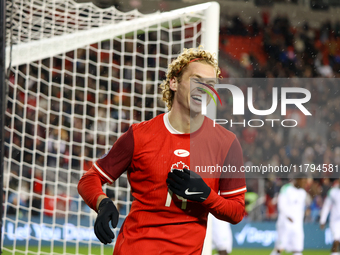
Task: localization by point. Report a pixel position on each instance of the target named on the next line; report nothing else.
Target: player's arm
(229, 207)
(325, 210)
(106, 170)
(90, 188)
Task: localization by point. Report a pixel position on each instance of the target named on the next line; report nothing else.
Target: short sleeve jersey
(160, 222)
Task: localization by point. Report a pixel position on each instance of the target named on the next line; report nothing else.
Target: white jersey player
(332, 205)
(291, 207)
(222, 238)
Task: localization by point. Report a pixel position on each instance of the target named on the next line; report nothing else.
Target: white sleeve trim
(102, 173)
(234, 191)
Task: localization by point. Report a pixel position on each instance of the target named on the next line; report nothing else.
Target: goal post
(2, 104)
(79, 77)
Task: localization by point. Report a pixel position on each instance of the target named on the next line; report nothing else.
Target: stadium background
(275, 39)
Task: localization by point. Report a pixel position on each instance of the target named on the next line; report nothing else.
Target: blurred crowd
(290, 52)
(57, 131)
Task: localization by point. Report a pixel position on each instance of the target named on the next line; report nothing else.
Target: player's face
(187, 95)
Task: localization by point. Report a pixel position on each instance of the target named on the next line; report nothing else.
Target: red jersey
(161, 222)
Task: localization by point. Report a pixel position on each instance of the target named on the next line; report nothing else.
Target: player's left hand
(188, 184)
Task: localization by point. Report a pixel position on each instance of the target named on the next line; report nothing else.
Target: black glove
(107, 212)
(188, 184)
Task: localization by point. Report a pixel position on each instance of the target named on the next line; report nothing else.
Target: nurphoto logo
(238, 103)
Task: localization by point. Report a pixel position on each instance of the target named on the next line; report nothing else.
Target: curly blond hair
(180, 64)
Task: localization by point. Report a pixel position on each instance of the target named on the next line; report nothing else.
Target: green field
(108, 251)
(267, 252)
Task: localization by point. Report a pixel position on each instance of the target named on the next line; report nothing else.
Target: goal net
(79, 76)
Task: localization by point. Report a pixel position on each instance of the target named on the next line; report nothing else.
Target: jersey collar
(168, 125)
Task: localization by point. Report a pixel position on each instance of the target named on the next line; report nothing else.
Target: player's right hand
(107, 212)
(188, 184)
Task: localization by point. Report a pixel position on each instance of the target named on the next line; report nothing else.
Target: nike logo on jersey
(181, 153)
(187, 192)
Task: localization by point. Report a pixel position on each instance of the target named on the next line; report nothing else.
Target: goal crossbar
(49, 47)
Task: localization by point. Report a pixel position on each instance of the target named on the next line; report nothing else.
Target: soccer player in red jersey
(171, 202)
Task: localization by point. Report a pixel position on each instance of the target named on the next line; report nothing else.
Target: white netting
(67, 109)
(39, 19)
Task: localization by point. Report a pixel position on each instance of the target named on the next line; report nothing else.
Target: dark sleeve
(233, 183)
(118, 159)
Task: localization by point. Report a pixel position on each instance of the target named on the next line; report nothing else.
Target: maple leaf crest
(179, 165)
